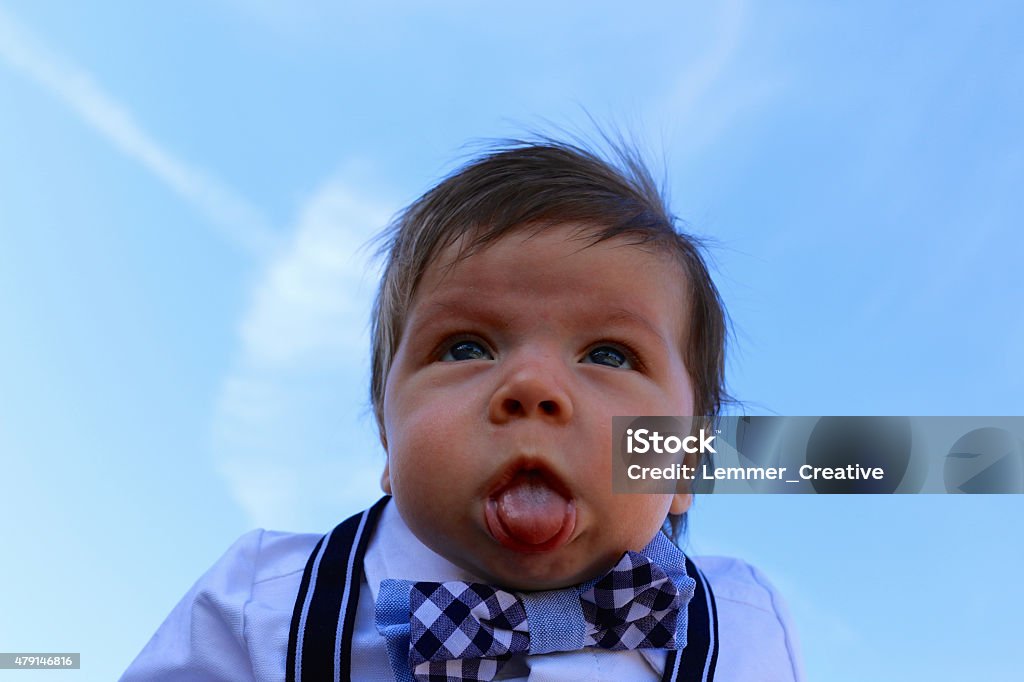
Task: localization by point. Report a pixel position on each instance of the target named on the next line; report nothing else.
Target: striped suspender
(696, 663)
(320, 640)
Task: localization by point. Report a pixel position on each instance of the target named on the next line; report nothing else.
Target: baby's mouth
(531, 511)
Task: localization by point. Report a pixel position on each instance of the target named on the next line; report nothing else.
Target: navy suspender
(696, 663)
(320, 640)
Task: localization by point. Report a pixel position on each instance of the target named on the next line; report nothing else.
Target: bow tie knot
(460, 630)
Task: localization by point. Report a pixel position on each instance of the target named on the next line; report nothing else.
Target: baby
(527, 299)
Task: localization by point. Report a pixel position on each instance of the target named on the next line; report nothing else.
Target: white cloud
(292, 433)
(703, 73)
(313, 302)
(239, 221)
(699, 104)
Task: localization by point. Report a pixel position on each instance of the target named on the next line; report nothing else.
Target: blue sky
(184, 190)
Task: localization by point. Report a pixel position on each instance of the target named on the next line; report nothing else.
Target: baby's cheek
(642, 518)
(432, 464)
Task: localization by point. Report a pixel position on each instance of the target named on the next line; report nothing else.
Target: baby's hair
(532, 186)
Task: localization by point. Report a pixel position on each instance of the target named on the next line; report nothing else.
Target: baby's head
(526, 300)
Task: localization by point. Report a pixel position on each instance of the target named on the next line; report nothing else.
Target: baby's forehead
(568, 239)
(564, 269)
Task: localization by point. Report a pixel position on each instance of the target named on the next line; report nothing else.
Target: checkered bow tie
(467, 631)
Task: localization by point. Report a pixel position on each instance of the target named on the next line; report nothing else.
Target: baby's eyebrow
(630, 316)
(463, 311)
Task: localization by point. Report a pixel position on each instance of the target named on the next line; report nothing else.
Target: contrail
(235, 218)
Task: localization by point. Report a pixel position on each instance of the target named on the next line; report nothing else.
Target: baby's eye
(609, 356)
(466, 350)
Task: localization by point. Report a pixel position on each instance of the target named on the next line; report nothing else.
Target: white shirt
(234, 622)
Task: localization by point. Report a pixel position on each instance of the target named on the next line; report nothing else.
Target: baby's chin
(529, 572)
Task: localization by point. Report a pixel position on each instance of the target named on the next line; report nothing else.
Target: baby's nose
(532, 390)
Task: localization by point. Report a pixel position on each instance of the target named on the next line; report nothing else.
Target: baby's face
(498, 407)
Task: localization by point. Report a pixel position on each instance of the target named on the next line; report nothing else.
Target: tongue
(530, 511)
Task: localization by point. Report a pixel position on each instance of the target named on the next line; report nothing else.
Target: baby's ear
(385, 479)
(680, 503)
